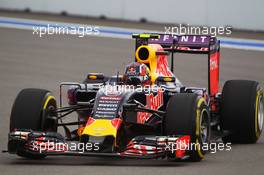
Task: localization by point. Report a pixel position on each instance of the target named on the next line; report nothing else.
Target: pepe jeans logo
(213, 64)
(152, 102)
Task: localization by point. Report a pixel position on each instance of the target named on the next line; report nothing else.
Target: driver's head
(137, 74)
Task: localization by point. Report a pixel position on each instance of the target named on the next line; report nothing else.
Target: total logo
(152, 102)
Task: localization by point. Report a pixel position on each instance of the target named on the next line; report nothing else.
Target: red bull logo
(152, 102)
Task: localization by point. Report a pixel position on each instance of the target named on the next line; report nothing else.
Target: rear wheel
(242, 111)
(33, 109)
(188, 114)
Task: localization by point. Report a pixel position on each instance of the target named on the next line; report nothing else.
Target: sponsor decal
(110, 98)
(213, 64)
(107, 106)
(190, 39)
(152, 102)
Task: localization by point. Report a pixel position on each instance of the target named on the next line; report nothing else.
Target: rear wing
(192, 44)
(180, 43)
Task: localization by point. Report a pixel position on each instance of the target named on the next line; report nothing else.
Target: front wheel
(33, 109)
(188, 114)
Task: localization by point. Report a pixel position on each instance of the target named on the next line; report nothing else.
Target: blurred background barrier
(240, 14)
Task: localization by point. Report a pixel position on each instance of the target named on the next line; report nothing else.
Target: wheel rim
(48, 114)
(204, 129)
(260, 113)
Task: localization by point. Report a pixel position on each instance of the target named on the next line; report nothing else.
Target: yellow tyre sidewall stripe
(49, 98)
(198, 130)
(257, 129)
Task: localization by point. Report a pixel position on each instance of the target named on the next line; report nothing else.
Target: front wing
(143, 147)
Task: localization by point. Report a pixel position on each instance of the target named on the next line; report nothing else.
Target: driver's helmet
(137, 74)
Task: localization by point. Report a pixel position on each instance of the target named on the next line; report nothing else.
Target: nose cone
(100, 127)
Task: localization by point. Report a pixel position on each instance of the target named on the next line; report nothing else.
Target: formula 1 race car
(145, 113)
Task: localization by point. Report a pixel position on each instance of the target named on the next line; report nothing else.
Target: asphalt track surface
(29, 61)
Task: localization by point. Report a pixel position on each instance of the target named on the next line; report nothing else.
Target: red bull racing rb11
(146, 112)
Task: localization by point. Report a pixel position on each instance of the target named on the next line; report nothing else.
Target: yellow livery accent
(92, 77)
(146, 35)
(151, 60)
(100, 127)
(80, 131)
(167, 79)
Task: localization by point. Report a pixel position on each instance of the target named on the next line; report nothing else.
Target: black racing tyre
(32, 110)
(242, 111)
(188, 114)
